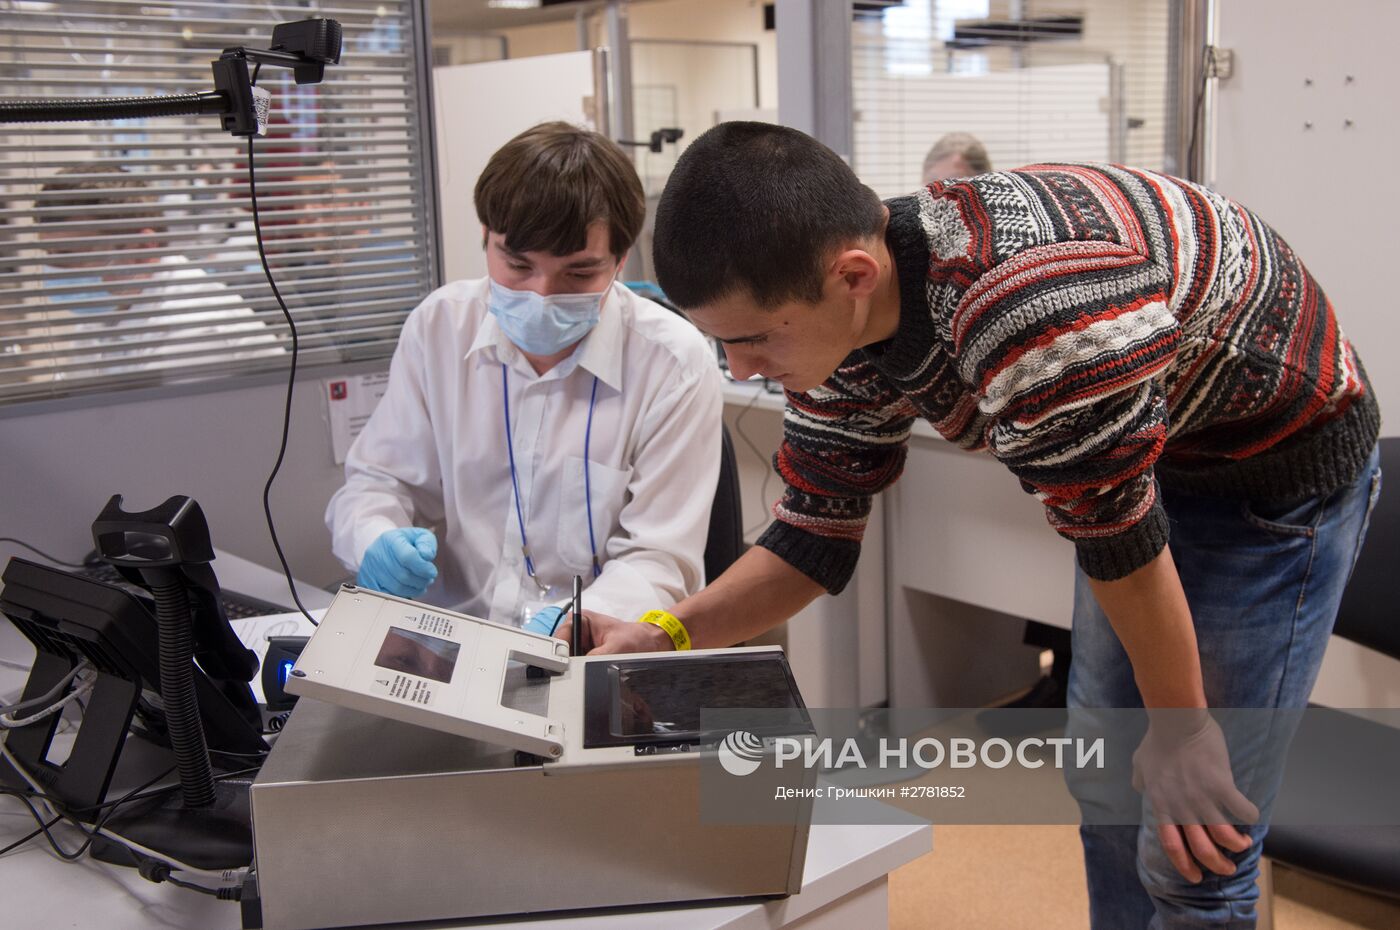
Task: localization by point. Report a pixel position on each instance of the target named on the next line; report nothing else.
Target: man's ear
(857, 271)
(485, 235)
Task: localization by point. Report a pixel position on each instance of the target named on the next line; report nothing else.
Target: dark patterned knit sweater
(1100, 330)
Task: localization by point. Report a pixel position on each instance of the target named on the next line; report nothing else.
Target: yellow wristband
(673, 627)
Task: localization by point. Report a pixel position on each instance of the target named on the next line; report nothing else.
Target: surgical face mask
(97, 290)
(545, 325)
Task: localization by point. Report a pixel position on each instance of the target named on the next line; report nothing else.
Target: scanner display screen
(648, 700)
(418, 654)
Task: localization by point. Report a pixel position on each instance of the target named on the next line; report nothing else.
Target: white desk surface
(752, 394)
(238, 574)
(39, 890)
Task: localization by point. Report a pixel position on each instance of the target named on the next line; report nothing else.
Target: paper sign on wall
(350, 402)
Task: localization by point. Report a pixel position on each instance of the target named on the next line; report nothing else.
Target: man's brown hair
(544, 188)
(143, 205)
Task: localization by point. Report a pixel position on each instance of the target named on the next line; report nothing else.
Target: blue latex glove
(545, 621)
(400, 562)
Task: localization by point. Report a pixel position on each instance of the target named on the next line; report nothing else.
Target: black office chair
(1365, 858)
(725, 541)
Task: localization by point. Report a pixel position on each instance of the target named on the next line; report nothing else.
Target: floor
(1008, 877)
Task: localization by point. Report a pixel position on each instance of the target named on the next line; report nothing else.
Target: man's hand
(1184, 770)
(604, 635)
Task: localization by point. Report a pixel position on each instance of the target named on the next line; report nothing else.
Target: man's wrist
(658, 638)
(1179, 723)
(673, 633)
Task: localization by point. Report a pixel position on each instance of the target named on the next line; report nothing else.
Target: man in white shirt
(543, 422)
(121, 307)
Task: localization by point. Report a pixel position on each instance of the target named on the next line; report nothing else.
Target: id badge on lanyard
(538, 600)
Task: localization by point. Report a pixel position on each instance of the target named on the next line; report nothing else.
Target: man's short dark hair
(544, 188)
(759, 208)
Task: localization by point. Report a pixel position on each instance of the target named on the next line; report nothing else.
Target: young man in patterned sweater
(1151, 360)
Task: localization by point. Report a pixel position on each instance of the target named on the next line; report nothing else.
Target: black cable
(129, 798)
(152, 869)
(291, 383)
(230, 893)
(157, 871)
(147, 795)
(40, 552)
(20, 842)
(1207, 65)
(65, 813)
(261, 754)
(138, 793)
(44, 828)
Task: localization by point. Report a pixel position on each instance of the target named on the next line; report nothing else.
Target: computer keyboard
(236, 606)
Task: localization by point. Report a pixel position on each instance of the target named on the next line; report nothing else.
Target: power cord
(56, 810)
(154, 870)
(152, 865)
(87, 678)
(42, 828)
(53, 694)
(291, 383)
(40, 552)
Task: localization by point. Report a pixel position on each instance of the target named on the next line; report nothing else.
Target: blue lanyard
(515, 481)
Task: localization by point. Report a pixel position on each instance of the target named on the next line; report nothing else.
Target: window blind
(128, 254)
(927, 69)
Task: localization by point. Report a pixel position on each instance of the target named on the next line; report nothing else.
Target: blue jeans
(1263, 580)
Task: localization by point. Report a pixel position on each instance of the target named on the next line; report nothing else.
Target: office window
(129, 257)
(1064, 80)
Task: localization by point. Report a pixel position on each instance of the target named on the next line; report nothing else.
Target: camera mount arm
(306, 47)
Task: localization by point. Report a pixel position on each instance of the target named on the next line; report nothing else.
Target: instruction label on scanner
(406, 688)
(435, 624)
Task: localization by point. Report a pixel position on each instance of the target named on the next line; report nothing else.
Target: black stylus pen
(576, 633)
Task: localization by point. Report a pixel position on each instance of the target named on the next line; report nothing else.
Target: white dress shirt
(434, 454)
(212, 320)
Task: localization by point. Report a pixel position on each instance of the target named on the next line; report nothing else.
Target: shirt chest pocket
(601, 489)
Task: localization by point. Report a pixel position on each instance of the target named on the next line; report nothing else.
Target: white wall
(471, 122)
(60, 467)
(465, 48)
(1331, 190)
(545, 38)
(696, 20)
(714, 21)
